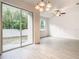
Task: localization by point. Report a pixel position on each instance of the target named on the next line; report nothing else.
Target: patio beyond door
(17, 27)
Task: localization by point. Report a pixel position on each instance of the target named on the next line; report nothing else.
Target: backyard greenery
(14, 20)
(43, 23)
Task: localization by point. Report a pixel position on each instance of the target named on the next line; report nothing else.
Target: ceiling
(60, 4)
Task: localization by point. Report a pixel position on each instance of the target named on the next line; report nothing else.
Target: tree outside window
(13, 19)
(43, 23)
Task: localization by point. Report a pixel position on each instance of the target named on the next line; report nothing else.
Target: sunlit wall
(66, 26)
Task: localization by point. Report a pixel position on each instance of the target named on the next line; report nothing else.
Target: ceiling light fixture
(47, 9)
(42, 3)
(37, 7)
(49, 5)
(41, 9)
(43, 6)
(58, 12)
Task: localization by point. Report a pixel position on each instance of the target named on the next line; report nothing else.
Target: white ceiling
(60, 4)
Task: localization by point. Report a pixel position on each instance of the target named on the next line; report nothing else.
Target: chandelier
(43, 6)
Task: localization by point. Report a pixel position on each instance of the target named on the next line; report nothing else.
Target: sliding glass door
(17, 27)
(27, 28)
(11, 27)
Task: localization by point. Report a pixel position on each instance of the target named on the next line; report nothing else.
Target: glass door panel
(11, 27)
(26, 28)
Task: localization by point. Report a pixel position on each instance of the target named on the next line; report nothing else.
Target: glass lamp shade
(47, 9)
(58, 14)
(37, 7)
(42, 4)
(49, 5)
(41, 9)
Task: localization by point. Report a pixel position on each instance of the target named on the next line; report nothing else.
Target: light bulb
(49, 5)
(37, 7)
(42, 4)
(41, 9)
(58, 14)
(47, 9)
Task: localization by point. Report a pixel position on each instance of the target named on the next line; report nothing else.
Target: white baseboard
(65, 38)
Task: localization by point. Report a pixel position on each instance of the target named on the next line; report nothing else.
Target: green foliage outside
(42, 24)
(15, 20)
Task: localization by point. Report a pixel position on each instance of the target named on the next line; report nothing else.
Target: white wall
(66, 26)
